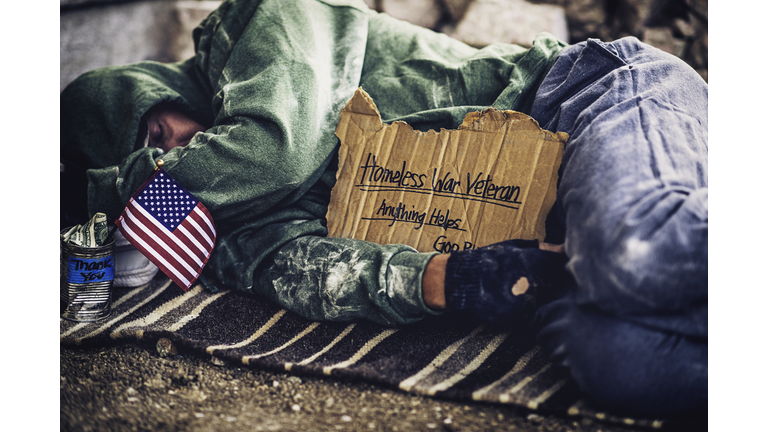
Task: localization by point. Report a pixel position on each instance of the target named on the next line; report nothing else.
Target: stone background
(97, 33)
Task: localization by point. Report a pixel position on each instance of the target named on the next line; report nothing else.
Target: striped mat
(437, 356)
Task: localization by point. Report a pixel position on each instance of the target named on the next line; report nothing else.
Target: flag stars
(167, 201)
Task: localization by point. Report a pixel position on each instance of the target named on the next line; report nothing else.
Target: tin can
(86, 277)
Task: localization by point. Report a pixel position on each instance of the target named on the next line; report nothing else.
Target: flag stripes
(170, 227)
(127, 226)
(200, 218)
(159, 233)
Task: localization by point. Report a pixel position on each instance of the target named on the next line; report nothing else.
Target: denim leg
(633, 185)
(626, 367)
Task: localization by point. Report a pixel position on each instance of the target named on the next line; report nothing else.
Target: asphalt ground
(131, 387)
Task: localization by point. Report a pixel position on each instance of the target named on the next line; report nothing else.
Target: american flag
(170, 227)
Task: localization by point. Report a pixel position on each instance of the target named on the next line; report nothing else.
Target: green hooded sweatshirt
(270, 78)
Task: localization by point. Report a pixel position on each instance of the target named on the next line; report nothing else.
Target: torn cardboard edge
(492, 179)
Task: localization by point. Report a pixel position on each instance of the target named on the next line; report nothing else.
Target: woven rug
(438, 356)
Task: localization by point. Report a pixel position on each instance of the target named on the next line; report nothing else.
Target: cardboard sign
(492, 179)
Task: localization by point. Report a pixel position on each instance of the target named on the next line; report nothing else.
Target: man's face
(169, 127)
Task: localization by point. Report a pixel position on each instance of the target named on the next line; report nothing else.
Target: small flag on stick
(170, 227)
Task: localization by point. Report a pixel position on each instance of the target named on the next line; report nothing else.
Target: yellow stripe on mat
(476, 362)
(338, 338)
(547, 393)
(263, 329)
(504, 397)
(303, 333)
(186, 319)
(361, 352)
(478, 394)
(408, 383)
(126, 313)
(156, 314)
(117, 303)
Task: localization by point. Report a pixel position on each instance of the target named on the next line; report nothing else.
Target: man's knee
(625, 367)
(654, 257)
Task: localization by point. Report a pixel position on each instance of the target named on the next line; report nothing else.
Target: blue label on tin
(83, 270)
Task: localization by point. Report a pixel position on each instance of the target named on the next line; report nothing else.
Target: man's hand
(433, 281)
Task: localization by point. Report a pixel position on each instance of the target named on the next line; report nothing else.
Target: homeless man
(247, 126)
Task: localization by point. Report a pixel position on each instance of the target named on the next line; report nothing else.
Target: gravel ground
(132, 388)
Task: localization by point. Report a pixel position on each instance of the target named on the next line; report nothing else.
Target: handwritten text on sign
(492, 179)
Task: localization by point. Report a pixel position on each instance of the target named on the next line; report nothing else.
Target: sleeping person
(617, 293)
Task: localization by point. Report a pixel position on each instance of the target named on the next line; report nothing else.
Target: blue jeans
(633, 200)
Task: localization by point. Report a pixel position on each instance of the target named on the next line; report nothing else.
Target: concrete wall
(103, 33)
(97, 33)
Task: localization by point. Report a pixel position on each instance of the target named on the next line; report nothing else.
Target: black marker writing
(399, 213)
(443, 245)
(93, 265)
(379, 174)
(487, 189)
